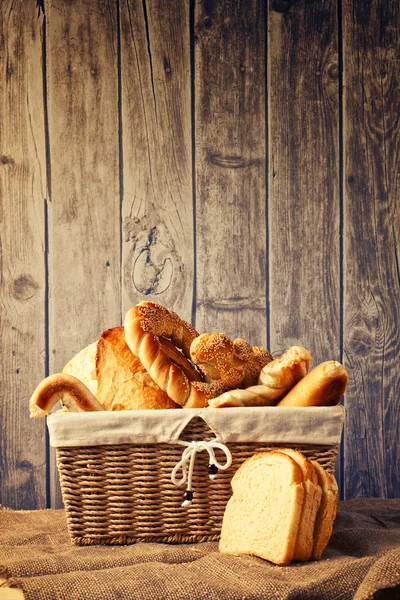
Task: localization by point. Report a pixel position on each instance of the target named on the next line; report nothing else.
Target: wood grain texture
(303, 182)
(304, 209)
(84, 213)
(157, 210)
(22, 265)
(371, 44)
(230, 168)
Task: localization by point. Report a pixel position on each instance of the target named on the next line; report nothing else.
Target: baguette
(256, 395)
(323, 386)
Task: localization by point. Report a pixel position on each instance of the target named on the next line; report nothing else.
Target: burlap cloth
(361, 561)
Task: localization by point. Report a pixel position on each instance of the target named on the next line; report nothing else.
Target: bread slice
(262, 517)
(327, 510)
(312, 500)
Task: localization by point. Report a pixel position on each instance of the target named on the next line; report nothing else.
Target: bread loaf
(145, 324)
(83, 367)
(117, 377)
(327, 510)
(323, 386)
(262, 517)
(282, 508)
(255, 395)
(312, 500)
(280, 375)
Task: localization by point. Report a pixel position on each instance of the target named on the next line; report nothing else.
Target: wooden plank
(22, 246)
(230, 168)
(157, 209)
(371, 43)
(304, 195)
(84, 213)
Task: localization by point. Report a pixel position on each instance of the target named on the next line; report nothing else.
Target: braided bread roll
(144, 325)
(236, 362)
(256, 395)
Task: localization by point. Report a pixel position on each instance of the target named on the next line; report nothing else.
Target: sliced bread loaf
(327, 510)
(262, 517)
(312, 500)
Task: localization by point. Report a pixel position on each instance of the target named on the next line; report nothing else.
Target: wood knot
(333, 71)
(153, 267)
(167, 66)
(362, 331)
(281, 6)
(229, 162)
(24, 465)
(25, 288)
(6, 160)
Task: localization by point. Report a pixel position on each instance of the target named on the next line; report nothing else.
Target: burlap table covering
(361, 561)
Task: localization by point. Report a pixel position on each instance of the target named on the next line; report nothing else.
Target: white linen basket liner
(299, 425)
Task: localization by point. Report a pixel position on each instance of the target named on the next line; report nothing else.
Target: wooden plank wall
(235, 161)
(23, 285)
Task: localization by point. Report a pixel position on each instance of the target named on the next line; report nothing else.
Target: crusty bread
(73, 394)
(144, 326)
(311, 504)
(123, 382)
(262, 517)
(323, 386)
(117, 378)
(284, 372)
(255, 395)
(83, 367)
(327, 510)
(236, 362)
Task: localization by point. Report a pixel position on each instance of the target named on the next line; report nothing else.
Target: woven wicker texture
(123, 494)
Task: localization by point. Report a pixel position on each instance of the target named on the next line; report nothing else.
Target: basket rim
(313, 425)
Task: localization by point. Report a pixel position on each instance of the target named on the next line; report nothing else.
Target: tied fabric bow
(189, 456)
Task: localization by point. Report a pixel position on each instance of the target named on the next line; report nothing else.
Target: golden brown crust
(179, 359)
(256, 395)
(323, 386)
(68, 389)
(145, 325)
(234, 362)
(284, 372)
(123, 382)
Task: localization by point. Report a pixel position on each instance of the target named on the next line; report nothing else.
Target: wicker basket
(123, 494)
